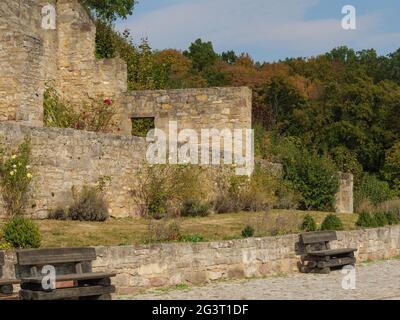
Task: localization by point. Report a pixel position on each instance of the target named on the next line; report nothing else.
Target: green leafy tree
(202, 55)
(229, 57)
(109, 10)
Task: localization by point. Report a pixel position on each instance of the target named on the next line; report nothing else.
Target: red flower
(107, 101)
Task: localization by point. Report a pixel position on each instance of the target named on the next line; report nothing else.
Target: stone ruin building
(31, 56)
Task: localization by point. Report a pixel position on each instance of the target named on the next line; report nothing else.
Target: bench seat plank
(72, 277)
(30, 257)
(67, 293)
(331, 252)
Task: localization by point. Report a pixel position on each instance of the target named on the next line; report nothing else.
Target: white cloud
(268, 25)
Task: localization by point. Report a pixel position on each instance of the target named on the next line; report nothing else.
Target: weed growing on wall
(15, 178)
(96, 116)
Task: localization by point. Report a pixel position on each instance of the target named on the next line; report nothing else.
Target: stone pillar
(344, 196)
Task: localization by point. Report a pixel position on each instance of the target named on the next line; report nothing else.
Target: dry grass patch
(115, 232)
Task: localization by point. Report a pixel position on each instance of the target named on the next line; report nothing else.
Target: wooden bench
(74, 277)
(6, 285)
(319, 257)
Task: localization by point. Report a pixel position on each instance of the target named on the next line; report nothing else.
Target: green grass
(128, 231)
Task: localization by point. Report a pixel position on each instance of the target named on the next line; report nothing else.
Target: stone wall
(79, 74)
(211, 108)
(31, 56)
(21, 63)
(66, 158)
(166, 265)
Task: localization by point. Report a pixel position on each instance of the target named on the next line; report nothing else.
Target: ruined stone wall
(166, 265)
(217, 108)
(66, 158)
(21, 63)
(31, 56)
(80, 75)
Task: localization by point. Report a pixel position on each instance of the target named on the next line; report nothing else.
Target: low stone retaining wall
(164, 265)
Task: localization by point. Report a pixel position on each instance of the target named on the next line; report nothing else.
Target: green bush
(312, 176)
(392, 206)
(240, 193)
(308, 224)
(332, 222)
(381, 219)
(195, 209)
(366, 220)
(192, 238)
(21, 233)
(392, 218)
(248, 232)
(372, 189)
(89, 205)
(158, 206)
(163, 190)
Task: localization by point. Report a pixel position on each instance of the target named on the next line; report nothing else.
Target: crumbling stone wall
(31, 56)
(21, 63)
(66, 158)
(218, 108)
(144, 267)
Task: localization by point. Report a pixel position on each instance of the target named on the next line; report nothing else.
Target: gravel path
(378, 280)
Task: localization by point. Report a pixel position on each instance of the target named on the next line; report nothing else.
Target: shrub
(248, 232)
(308, 224)
(332, 222)
(392, 206)
(165, 190)
(392, 218)
(391, 169)
(312, 176)
(57, 113)
(380, 219)
(21, 233)
(158, 206)
(192, 238)
(287, 198)
(89, 205)
(195, 209)
(371, 188)
(366, 220)
(59, 214)
(164, 230)
(15, 178)
(240, 193)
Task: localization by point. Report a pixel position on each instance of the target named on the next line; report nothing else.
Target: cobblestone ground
(377, 280)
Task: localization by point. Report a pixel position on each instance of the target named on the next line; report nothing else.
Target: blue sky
(268, 30)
